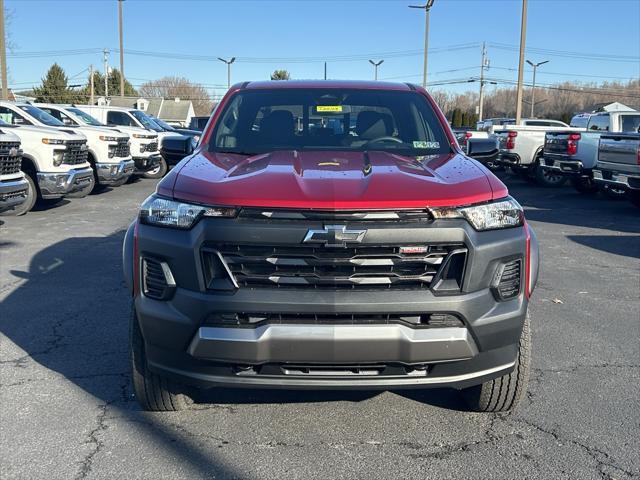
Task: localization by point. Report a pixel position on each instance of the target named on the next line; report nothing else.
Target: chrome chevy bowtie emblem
(334, 236)
(13, 152)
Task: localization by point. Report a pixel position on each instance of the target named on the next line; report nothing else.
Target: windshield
(146, 121)
(86, 118)
(258, 121)
(163, 124)
(41, 116)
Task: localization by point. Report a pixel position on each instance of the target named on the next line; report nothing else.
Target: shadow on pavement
(626, 246)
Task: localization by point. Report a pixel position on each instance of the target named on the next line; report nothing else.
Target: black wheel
(614, 193)
(30, 201)
(504, 393)
(154, 393)
(158, 172)
(547, 177)
(86, 190)
(634, 197)
(584, 185)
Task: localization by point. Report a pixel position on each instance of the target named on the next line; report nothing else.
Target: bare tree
(172, 87)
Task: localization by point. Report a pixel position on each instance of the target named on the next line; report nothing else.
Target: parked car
(54, 161)
(148, 161)
(198, 123)
(618, 164)
(580, 120)
(287, 258)
(171, 156)
(187, 132)
(109, 151)
(15, 190)
(573, 153)
(521, 148)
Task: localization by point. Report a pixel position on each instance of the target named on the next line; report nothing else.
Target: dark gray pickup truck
(619, 163)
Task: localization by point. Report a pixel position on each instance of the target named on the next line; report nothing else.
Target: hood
(332, 180)
(52, 132)
(100, 130)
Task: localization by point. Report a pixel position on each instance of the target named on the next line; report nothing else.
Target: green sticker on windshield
(422, 144)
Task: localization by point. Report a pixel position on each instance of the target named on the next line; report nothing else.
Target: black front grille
(122, 148)
(151, 147)
(9, 163)
(76, 152)
(360, 267)
(425, 320)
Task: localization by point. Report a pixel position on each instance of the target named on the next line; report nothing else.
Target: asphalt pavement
(67, 409)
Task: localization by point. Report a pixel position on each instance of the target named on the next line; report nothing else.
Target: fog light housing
(58, 157)
(507, 281)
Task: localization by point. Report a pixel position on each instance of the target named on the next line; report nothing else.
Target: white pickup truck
(14, 188)
(132, 117)
(521, 149)
(53, 160)
(574, 153)
(109, 150)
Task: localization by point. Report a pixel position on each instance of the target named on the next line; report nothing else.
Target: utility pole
(523, 41)
(533, 88)
(105, 53)
(325, 70)
(121, 49)
(3, 54)
(375, 67)
(91, 87)
(228, 62)
(427, 9)
(483, 65)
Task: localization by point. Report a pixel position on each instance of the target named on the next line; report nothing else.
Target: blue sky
(273, 32)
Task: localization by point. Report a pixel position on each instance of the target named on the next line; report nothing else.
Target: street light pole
(3, 55)
(121, 48)
(427, 9)
(533, 88)
(375, 67)
(523, 40)
(105, 54)
(228, 62)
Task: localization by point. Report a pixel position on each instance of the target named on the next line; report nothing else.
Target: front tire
(154, 392)
(504, 393)
(585, 185)
(158, 172)
(28, 204)
(85, 190)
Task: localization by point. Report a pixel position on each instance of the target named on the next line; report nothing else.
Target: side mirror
(483, 149)
(177, 146)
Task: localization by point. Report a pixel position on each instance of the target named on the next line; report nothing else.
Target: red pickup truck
(330, 235)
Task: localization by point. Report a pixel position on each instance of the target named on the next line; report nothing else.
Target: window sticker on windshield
(422, 144)
(329, 108)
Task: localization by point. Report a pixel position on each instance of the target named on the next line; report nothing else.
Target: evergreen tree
(113, 83)
(457, 118)
(55, 87)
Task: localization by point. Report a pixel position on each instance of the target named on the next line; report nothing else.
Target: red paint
(572, 143)
(289, 179)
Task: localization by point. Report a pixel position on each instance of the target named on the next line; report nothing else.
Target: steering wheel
(384, 139)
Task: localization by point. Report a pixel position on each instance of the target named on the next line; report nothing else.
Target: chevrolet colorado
(366, 252)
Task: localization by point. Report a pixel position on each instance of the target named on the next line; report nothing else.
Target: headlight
(52, 141)
(140, 135)
(169, 213)
(58, 156)
(488, 216)
(106, 138)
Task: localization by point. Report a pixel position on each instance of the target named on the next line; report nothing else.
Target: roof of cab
(355, 84)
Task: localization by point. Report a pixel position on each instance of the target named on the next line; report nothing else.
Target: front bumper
(182, 344)
(146, 164)
(109, 173)
(13, 193)
(56, 185)
(615, 178)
